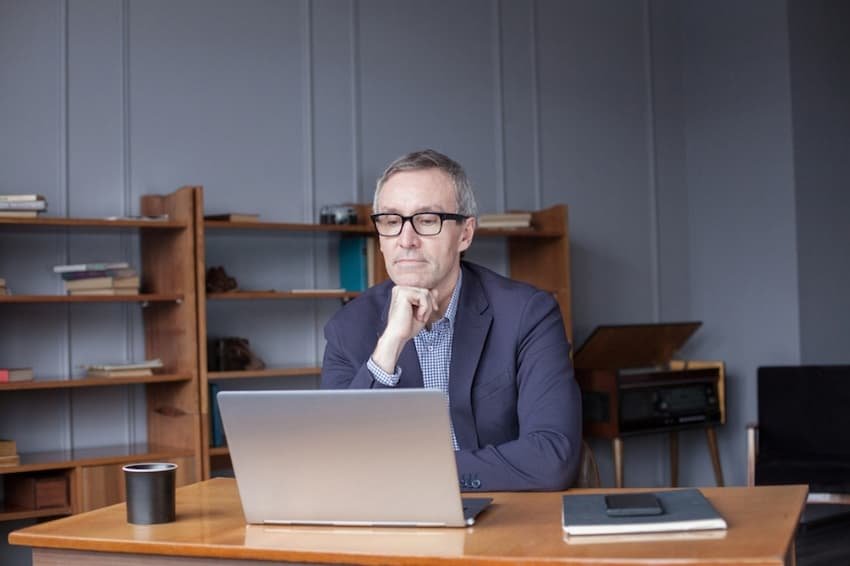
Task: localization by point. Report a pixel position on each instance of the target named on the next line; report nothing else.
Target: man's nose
(408, 237)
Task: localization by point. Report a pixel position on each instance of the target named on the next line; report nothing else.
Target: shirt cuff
(382, 377)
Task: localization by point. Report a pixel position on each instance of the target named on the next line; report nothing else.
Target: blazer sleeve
(545, 453)
(340, 367)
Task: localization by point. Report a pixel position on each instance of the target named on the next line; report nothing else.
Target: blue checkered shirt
(434, 349)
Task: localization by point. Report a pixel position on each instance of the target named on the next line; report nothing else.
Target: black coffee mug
(150, 492)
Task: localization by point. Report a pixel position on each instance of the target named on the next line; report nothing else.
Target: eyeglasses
(424, 223)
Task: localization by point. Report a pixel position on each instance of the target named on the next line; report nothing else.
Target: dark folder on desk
(683, 510)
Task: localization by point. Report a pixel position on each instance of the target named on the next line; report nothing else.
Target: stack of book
(139, 369)
(21, 206)
(505, 220)
(3, 289)
(8, 375)
(9, 453)
(115, 278)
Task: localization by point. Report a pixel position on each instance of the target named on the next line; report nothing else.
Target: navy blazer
(514, 402)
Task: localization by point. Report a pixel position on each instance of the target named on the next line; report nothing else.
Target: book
(20, 198)
(6, 461)
(23, 205)
(126, 282)
(140, 372)
(102, 283)
(234, 217)
(99, 266)
(216, 426)
(88, 283)
(106, 291)
(505, 220)
(151, 364)
(353, 271)
(15, 374)
(8, 447)
(683, 510)
(73, 275)
(18, 213)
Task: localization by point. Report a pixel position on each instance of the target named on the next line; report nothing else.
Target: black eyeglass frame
(443, 216)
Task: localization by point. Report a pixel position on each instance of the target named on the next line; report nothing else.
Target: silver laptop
(345, 457)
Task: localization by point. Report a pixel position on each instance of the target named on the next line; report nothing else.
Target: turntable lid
(633, 345)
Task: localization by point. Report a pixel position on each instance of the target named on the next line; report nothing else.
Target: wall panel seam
(499, 105)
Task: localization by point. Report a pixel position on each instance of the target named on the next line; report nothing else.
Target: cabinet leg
(711, 437)
(674, 458)
(617, 447)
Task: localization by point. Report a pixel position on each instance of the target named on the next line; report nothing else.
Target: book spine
(216, 426)
(353, 271)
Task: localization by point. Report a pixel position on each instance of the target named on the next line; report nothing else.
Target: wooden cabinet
(169, 311)
(538, 255)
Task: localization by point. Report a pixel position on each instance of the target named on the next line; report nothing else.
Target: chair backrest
(803, 417)
(588, 471)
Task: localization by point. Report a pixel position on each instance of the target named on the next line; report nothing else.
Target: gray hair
(431, 159)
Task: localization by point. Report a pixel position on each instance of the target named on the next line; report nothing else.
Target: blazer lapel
(472, 324)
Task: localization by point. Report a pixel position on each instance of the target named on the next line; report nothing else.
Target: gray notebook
(682, 510)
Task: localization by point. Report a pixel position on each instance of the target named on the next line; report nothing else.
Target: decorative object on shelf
(38, 491)
(218, 281)
(338, 214)
(4, 290)
(232, 353)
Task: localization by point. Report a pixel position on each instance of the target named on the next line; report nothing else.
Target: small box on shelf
(36, 491)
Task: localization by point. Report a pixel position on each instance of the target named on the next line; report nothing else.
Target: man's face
(429, 262)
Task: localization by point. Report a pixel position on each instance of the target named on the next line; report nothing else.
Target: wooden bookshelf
(169, 312)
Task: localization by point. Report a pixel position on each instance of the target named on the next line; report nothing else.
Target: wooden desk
(520, 528)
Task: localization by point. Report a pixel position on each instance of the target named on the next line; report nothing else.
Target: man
(496, 347)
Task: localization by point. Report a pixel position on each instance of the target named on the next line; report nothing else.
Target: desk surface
(522, 528)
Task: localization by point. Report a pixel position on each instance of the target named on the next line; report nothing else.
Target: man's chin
(409, 278)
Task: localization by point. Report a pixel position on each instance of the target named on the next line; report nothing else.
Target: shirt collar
(451, 310)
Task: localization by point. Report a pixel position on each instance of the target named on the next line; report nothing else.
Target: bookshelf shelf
(59, 222)
(289, 227)
(253, 295)
(268, 372)
(94, 456)
(140, 298)
(14, 513)
(92, 382)
(219, 451)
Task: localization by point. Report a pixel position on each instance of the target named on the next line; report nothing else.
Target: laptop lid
(343, 457)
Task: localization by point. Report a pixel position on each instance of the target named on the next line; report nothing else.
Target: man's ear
(467, 233)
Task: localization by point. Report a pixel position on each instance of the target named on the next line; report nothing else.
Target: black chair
(801, 438)
(801, 435)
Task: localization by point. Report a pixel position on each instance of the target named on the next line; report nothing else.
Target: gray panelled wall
(680, 134)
